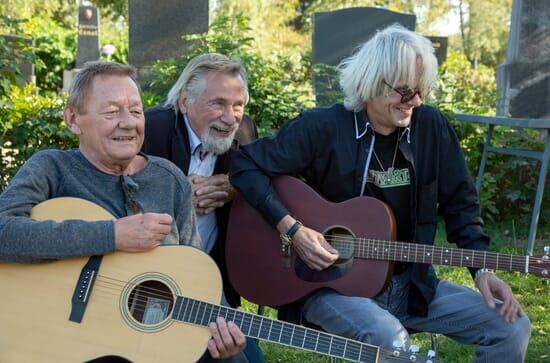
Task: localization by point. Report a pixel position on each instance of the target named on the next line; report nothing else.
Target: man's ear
(182, 100)
(69, 116)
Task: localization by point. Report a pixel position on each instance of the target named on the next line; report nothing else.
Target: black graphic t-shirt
(389, 180)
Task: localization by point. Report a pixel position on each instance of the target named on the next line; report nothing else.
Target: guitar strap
(84, 287)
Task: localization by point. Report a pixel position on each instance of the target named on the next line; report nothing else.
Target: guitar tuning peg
(414, 349)
(431, 354)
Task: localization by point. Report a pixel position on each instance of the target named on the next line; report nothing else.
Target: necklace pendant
(389, 174)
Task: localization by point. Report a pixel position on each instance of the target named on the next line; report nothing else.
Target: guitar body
(36, 303)
(257, 269)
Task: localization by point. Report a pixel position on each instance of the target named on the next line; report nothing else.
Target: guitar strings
(107, 286)
(501, 260)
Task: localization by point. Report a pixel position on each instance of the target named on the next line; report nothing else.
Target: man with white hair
(199, 128)
(385, 144)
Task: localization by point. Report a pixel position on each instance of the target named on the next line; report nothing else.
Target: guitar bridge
(83, 288)
(286, 254)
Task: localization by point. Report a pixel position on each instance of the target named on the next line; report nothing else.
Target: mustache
(221, 126)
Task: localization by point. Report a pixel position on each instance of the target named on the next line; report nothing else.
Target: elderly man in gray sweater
(150, 196)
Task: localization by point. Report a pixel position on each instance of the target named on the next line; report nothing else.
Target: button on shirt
(207, 226)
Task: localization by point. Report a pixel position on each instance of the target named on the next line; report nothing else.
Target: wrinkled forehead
(110, 87)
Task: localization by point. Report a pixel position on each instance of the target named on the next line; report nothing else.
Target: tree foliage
(484, 30)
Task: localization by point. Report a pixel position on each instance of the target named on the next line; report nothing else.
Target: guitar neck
(419, 253)
(259, 327)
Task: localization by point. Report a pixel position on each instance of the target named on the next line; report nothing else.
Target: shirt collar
(194, 141)
(362, 125)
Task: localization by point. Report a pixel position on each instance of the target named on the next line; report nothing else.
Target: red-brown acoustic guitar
(266, 272)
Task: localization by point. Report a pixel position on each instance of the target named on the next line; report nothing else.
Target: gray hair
(390, 55)
(83, 79)
(192, 78)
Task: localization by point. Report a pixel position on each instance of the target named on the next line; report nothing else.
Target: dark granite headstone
(440, 45)
(88, 35)
(524, 81)
(156, 28)
(26, 66)
(338, 33)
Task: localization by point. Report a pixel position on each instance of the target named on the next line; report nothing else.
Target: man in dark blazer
(199, 128)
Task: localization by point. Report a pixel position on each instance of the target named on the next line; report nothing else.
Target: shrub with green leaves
(509, 183)
(29, 123)
(14, 51)
(278, 86)
(54, 50)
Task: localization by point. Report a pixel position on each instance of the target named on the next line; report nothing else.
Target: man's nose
(127, 119)
(229, 115)
(415, 101)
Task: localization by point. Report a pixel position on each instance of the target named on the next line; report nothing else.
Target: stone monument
(156, 28)
(336, 34)
(524, 80)
(88, 35)
(440, 45)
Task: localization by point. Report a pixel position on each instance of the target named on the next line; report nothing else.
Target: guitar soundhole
(150, 302)
(340, 238)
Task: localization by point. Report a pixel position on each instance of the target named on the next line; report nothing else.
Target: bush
(14, 51)
(54, 49)
(509, 183)
(278, 86)
(29, 123)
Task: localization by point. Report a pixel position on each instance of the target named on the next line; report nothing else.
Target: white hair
(393, 54)
(193, 77)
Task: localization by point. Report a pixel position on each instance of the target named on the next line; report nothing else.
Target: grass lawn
(530, 290)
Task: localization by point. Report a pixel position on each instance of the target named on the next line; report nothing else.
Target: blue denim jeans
(456, 311)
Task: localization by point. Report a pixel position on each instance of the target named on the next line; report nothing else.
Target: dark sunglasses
(130, 188)
(406, 93)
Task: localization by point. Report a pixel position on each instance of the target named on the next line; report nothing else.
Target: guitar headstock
(413, 355)
(540, 265)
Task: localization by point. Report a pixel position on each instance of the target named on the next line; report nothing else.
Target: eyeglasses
(130, 188)
(405, 92)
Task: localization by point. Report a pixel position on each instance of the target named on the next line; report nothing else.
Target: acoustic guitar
(145, 307)
(361, 229)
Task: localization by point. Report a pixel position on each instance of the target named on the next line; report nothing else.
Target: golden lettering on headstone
(87, 30)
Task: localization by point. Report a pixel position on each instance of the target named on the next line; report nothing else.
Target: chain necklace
(390, 169)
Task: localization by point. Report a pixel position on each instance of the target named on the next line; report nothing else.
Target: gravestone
(88, 35)
(440, 46)
(338, 33)
(524, 80)
(156, 28)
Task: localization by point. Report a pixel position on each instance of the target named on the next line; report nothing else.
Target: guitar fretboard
(258, 327)
(420, 253)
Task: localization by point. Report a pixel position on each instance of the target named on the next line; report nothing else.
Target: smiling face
(386, 112)
(215, 114)
(111, 130)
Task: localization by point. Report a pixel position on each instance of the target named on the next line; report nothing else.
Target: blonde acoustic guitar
(144, 307)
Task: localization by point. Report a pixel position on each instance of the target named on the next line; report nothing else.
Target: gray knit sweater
(54, 173)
